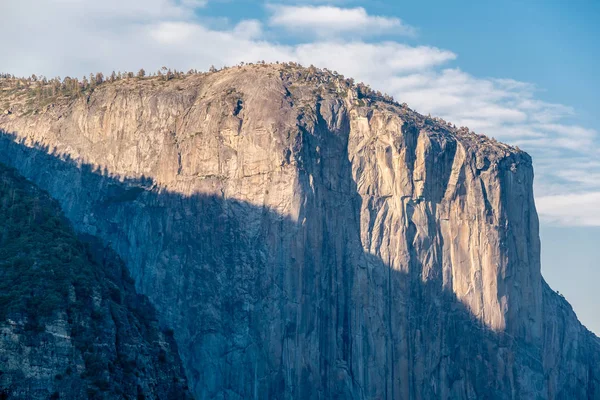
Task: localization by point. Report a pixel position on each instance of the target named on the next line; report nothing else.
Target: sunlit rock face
(306, 238)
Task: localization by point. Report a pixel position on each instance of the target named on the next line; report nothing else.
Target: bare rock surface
(307, 238)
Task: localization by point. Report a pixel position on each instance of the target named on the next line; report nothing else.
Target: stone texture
(307, 241)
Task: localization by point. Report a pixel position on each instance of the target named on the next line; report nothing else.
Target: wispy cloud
(328, 21)
(67, 37)
(132, 10)
(571, 209)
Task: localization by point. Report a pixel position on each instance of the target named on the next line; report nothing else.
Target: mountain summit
(306, 237)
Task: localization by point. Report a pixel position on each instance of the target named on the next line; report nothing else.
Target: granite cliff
(305, 237)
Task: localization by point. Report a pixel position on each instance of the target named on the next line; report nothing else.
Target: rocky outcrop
(71, 324)
(305, 238)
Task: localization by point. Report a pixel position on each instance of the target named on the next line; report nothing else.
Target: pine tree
(99, 78)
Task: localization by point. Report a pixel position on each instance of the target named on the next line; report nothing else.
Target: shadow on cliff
(265, 306)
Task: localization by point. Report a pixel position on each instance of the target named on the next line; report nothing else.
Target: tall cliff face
(306, 240)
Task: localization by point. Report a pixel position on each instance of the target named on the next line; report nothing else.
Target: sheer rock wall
(306, 241)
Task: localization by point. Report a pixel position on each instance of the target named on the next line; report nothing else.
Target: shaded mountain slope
(71, 324)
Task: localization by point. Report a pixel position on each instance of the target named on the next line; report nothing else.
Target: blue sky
(524, 72)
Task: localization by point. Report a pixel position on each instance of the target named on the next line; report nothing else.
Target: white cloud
(368, 61)
(571, 209)
(328, 21)
(248, 29)
(66, 37)
(132, 10)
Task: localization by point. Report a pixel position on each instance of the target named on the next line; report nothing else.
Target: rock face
(305, 238)
(71, 324)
